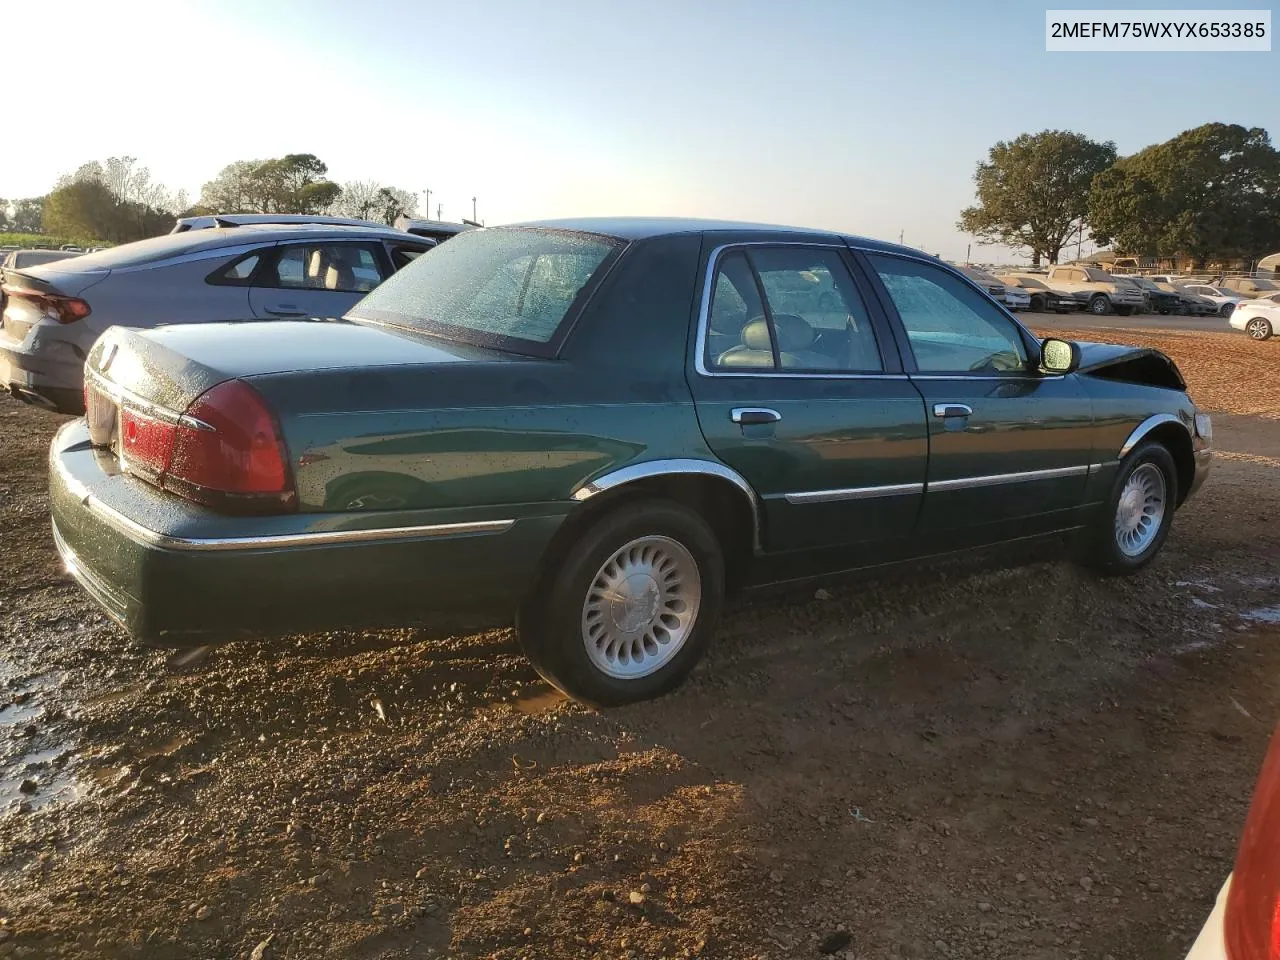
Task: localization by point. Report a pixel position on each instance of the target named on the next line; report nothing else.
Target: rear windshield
(150, 250)
(512, 289)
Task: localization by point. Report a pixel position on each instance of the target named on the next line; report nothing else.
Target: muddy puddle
(35, 752)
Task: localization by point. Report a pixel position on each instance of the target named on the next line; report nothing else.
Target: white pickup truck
(1097, 290)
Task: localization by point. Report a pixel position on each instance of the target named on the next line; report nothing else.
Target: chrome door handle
(749, 415)
(946, 410)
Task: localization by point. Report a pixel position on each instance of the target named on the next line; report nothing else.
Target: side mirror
(1059, 356)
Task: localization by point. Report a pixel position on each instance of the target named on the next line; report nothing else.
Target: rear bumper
(1211, 944)
(174, 573)
(26, 368)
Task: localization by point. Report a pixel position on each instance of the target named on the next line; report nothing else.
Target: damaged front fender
(1144, 365)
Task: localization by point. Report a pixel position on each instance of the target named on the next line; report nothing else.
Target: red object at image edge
(1252, 923)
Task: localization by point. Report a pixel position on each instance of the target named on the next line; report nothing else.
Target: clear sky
(863, 116)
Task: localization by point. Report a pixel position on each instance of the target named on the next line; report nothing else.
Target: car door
(1010, 448)
(322, 278)
(798, 387)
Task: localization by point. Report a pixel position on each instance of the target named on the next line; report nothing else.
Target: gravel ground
(977, 760)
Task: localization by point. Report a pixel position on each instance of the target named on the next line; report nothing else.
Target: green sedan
(595, 429)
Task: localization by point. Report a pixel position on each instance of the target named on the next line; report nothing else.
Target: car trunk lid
(167, 369)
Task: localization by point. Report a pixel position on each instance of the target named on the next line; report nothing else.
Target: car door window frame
(266, 276)
(1031, 342)
(881, 329)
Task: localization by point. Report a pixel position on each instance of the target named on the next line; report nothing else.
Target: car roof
(156, 250)
(642, 228)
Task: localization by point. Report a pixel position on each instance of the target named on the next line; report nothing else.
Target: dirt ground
(977, 760)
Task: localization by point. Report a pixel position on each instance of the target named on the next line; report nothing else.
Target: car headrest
(794, 333)
(727, 321)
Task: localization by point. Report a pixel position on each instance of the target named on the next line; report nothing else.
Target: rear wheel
(1134, 524)
(1037, 303)
(1225, 309)
(631, 608)
(1259, 328)
(1099, 305)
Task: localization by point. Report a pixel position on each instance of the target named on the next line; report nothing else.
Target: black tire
(1100, 548)
(1099, 305)
(1259, 328)
(551, 627)
(1037, 303)
(1226, 309)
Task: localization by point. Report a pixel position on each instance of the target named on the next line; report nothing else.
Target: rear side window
(238, 273)
(811, 320)
(513, 289)
(338, 267)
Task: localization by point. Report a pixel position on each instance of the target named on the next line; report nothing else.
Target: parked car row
(228, 268)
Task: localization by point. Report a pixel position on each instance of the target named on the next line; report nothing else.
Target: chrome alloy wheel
(1140, 511)
(641, 607)
(1258, 328)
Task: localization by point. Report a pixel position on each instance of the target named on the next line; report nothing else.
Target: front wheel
(631, 608)
(1037, 303)
(1134, 524)
(1259, 328)
(1099, 305)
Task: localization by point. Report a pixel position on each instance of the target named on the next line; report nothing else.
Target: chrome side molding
(995, 479)
(855, 493)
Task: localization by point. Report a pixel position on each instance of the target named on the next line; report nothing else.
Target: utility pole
(427, 191)
(473, 210)
(1079, 238)
(439, 207)
(900, 232)
(968, 247)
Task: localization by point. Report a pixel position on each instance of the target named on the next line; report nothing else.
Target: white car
(1015, 298)
(1225, 300)
(1260, 318)
(1011, 297)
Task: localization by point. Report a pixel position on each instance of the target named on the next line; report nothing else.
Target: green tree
(1033, 191)
(27, 215)
(295, 183)
(1210, 192)
(84, 210)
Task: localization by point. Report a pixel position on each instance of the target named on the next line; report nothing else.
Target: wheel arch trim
(650, 469)
(1143, 430)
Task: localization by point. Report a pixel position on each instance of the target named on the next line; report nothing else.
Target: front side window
(811, 319)
(507, 288)
(337, 267)
(951, 326)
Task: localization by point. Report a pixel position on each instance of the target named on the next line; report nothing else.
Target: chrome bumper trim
(145, 535)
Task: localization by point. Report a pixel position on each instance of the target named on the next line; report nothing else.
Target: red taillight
(227, 451)
(56, 306)
(1252, 924)
(145, 443)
